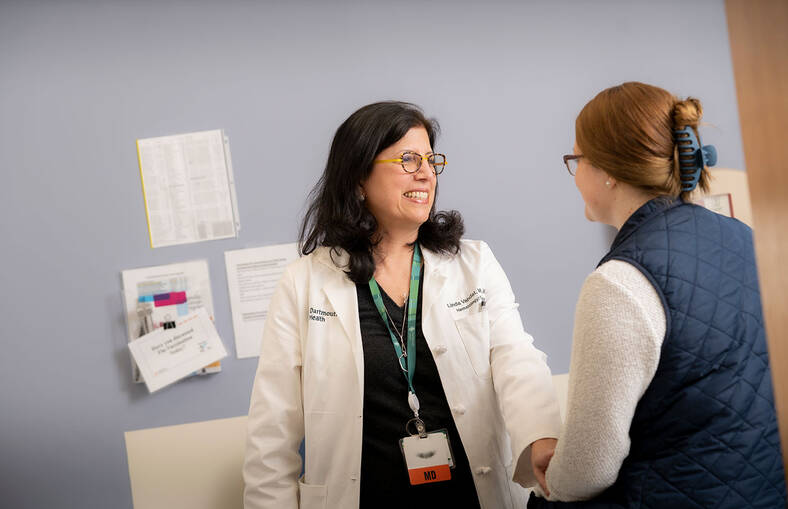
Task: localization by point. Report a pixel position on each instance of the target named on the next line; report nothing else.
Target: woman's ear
(610, 182)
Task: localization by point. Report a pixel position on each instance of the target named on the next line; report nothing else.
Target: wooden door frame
(758, 31)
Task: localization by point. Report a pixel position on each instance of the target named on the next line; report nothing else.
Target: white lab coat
(310, 381)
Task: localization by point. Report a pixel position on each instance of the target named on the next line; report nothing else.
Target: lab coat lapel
(341, 293)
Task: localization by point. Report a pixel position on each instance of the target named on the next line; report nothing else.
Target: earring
(607, 183)
(363, 196)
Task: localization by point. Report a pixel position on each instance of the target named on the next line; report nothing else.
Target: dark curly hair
(336, 216)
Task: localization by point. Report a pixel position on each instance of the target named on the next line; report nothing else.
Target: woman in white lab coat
(393, 329)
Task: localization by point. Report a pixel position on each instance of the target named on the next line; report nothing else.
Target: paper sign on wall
(189, 188)
(166, 355)
(252, 276)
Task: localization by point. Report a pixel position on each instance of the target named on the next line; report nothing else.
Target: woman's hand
(541, 453)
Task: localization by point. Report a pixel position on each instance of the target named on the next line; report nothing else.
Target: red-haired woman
(670, 398)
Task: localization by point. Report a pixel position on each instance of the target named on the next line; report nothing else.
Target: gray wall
(81, 80)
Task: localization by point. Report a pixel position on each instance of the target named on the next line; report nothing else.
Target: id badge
(428, 459)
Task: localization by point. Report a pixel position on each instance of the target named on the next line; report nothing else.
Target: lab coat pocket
(311, 496)
(474, 330)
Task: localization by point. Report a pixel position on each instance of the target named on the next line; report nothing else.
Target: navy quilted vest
(705, 433)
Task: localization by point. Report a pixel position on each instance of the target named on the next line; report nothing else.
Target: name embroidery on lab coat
(477, 295)
(318, 315)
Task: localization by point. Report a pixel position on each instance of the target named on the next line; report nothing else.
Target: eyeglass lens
(411, 162)
(571, 165)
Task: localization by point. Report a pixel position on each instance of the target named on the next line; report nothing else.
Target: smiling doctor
(393, 348)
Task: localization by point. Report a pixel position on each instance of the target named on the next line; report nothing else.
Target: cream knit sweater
(618, 334)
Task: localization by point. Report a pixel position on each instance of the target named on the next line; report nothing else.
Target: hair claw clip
(692, 157)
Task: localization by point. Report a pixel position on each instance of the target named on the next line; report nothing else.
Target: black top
(384, 476)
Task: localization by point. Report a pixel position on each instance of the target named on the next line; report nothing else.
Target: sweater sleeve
(619, 328)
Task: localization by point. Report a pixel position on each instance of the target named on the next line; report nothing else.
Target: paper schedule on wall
(188, 188)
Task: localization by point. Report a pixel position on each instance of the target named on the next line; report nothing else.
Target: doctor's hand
(541, 453)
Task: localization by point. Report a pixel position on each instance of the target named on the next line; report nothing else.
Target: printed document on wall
(158, 297)
(252, 276)
(188, 187)
(167, 355)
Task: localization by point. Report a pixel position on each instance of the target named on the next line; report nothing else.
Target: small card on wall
(166, 355)
(719, 203)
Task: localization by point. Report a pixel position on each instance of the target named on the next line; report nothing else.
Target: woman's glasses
(411, 161)
(571, 161)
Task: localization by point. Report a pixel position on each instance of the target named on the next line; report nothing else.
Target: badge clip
(421, 430)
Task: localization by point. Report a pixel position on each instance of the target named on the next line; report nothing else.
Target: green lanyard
(407, 360)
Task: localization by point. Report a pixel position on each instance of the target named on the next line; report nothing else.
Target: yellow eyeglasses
(411, 161)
